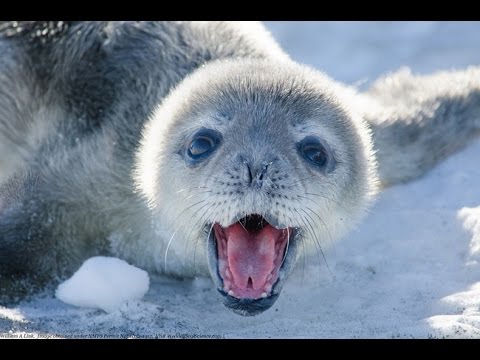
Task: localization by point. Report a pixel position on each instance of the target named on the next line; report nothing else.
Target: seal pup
(198, 148)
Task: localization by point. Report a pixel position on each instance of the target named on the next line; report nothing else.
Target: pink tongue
(251, 255)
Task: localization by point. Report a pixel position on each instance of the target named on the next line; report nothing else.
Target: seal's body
(196, 148)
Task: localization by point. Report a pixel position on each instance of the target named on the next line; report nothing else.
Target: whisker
(199, 221)
(304, 251)
(175, 231)
(319, 244)
(243, 226)
(198, 239)
(326, 198)
(332, 242)
(299, 181)
(199, 216)
(324, 224)
(166, 250)
(304, 260)
(314, 177)
(184, 210)
(210, 214)
(311, 231)
(198, 194)
(190, 189)
(286, 249)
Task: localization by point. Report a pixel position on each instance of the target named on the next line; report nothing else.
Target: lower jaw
(248, 307)
(247, 294)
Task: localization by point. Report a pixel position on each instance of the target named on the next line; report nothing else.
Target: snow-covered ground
(410, 270)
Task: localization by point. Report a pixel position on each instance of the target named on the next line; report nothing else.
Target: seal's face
(253, 164)
(265, 163)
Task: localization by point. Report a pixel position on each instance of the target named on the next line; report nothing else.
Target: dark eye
(312, 150)
(315, 153)
(202, 144)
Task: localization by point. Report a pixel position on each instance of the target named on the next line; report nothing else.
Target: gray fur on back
(419, 120)
(79, 100)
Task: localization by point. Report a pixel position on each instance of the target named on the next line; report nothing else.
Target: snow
(103, 282)
(471, 222)
(411, 269)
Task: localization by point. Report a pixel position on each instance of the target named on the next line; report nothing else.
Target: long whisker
(304, 250)
(175, 231)
(198, 239)
(243, 226)
(286, 249)
(208, 216)
(301, 180)
(322, 196)
(166, 250)
(318, 242)
(198, 194)
(304, 260)
(312, 232)
(308, 193)
(184, 210)
(324, 225)
(318, 216)
(293, 183)
(190, 189)
(194, 226)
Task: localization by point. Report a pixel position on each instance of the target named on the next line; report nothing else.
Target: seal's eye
(202, 144)
(317, 154)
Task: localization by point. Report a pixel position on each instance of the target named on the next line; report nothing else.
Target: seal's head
(256, 160)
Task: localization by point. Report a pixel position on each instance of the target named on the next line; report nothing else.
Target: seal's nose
(256, 173)
(258, 176)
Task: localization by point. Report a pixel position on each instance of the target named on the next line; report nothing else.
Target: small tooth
(230, 293)
(264, 295)
(269, 277)
(268, 287)
(228, 273)
(226, 285)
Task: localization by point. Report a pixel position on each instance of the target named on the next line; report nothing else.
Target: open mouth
(249, 260)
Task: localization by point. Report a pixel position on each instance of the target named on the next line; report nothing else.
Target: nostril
(260, 176)
(264, 170)
(255, 174)
(250, 176)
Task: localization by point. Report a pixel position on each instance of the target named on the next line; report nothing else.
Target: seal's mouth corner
(249, 259)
